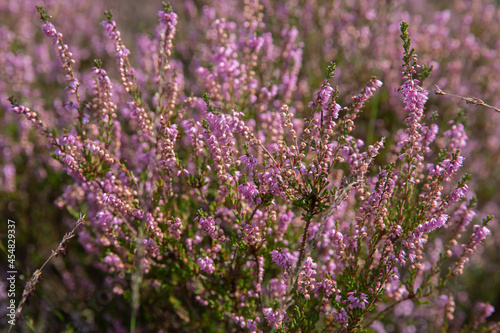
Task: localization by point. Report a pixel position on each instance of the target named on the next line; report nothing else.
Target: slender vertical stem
(302, 253)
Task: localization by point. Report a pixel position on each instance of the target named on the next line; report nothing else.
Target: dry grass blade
(29, 289)
(468, 100)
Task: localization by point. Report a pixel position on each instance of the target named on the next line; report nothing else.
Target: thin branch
(468, 100)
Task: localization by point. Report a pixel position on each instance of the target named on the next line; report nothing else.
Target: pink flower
(281, 259)
(250, 161)
(206, 264)
(249, 191)
(49, 30)
(356, 301)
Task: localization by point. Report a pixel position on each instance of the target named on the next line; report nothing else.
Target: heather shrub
(225, 189)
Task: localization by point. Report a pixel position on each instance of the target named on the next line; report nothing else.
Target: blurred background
(460, 39)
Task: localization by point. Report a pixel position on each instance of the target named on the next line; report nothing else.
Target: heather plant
(457, 38)
(221, 202)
